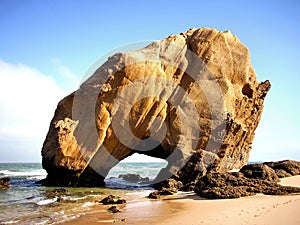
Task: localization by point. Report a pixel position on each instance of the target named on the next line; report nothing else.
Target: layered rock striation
(192, 99)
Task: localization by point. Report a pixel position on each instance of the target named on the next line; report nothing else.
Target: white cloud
(136, 157)
(28, 99)
(68, 78)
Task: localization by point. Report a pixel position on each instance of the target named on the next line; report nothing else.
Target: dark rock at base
(154, 195)
(235, 185)
(291, 167)
(89, 178)
(4, 183)
(260, 171)
(111, 199)
(135, 178)
(194, 169)
(113, 209)
(168, 187)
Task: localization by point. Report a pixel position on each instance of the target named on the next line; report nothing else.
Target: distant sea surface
(28, 203)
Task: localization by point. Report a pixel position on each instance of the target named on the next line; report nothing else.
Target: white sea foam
(39, 172)
(73, 198)
(4, 172)
(87, 204)
(10, 222)
(70, 198)
(40, 177)
(47, 201)
(42, 222)
(95, 195)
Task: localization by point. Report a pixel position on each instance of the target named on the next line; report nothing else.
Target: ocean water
(29, 203)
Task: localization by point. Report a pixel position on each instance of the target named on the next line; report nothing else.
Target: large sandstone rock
(192, 96)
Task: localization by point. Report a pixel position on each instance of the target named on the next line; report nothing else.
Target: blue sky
(47, 46)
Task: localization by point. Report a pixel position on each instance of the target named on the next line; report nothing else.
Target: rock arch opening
(137, 170)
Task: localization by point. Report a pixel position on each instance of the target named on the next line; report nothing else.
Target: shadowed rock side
(195, 94)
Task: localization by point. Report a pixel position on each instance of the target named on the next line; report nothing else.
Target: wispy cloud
(28, 99)
(67, 77)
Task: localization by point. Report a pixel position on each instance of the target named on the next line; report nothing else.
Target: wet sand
(186, 208)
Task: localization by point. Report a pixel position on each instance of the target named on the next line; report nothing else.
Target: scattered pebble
(154, 195)
(113, 209)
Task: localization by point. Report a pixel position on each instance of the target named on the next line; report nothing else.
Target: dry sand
(189, 209)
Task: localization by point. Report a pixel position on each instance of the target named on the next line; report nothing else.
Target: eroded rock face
(192, 96)
(235, 185)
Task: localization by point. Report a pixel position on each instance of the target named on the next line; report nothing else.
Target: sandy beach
(186, 208)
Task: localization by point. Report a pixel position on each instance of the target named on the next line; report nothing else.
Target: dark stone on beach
(113, 209)
(259, 171)
(134, 178)
(154, 195)
(235, 185)
(4, 183)
(120, 201)
(57, 191)
(111, 199)
(168, 187)
(291, 167)
(168, 191)
(108, 200)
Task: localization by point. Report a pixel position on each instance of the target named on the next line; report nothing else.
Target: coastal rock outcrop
(235, 185)
(192, 99)
(168, 186)
(285, 168)
(4, 183)
(134, 178)
(259, 171)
